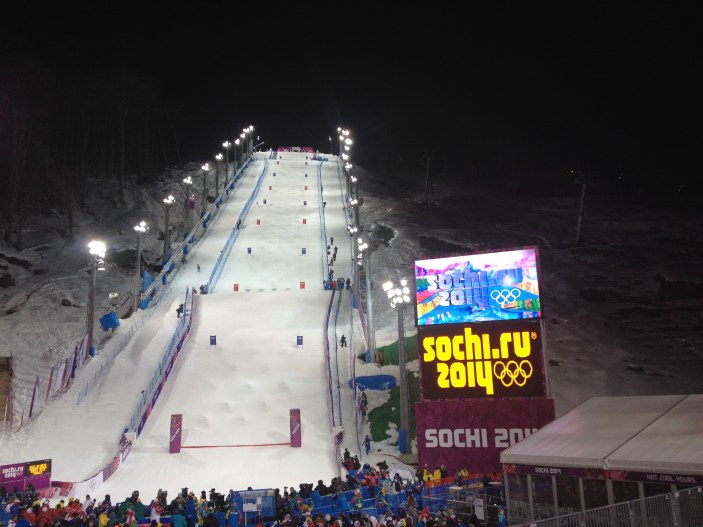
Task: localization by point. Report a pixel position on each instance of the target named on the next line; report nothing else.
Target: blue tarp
(109, 321)
(167, 258)
(374, 382)
(148, 279)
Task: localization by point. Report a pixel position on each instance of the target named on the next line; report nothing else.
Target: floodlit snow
(238, 393)
(235, 396)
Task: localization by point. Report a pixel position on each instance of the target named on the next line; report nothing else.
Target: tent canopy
(637, 433)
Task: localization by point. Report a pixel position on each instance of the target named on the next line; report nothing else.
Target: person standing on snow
(343, 342)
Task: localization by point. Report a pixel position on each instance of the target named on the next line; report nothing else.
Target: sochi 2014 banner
(477, 288)
(472, 434)
(38, 473)
(491, 360)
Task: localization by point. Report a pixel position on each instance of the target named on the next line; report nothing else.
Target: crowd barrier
(323, 226)
(331, 414)
(227, 249)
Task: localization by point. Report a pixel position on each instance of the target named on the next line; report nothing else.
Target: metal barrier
(683, 508)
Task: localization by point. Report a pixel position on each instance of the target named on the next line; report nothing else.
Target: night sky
(533, 89)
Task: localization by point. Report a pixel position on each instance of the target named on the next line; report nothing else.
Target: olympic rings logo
(512, 372)
(506, 296)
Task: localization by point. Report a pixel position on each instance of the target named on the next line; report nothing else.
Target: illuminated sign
(500, 359)
(477, 288)
(37, 468)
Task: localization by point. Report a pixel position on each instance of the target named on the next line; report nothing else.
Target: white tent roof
(662, 434)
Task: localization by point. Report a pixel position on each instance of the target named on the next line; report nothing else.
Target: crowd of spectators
(386, 501)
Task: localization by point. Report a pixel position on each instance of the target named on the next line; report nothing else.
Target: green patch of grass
(390, 352)
(389, 412)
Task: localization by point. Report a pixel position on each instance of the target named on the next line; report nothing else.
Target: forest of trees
(61, 124)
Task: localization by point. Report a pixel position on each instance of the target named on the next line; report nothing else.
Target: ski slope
(235, 396)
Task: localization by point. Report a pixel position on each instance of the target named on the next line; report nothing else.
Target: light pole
(245, 143)
(399, 297)
(187, 183)
(218, 157)
(370, 333)
(330, 138)
(97, 249)
(206, 169)
(250, 146)
(347, 172)
(353, 184)
(342, 136)
(167, 234)
(227, 145)
(243, 136)
(248, 139)
(141, 228)
(355, 205)
(236, 142)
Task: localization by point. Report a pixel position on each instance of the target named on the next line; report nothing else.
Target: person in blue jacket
(177, 519)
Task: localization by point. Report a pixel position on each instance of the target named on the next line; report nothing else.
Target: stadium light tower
(399, 297)
(343, 135)
(141, 228)
(227, 145)
(168, 201)
(187, 183)
(97, 249)
(246, 141)
(354, 202)
(347, 172)
(206, 169)
(364, 258)
(218, 158)
(354, 185)
(236, 142)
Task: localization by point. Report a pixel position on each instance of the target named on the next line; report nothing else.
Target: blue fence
(227, 249)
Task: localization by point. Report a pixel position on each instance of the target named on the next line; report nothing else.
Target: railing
(234, 234)
(683, 508)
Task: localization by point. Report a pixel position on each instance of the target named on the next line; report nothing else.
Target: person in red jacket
(30, 516)
(372, 482)
(46, 514)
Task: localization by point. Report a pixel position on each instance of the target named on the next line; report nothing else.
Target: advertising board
(480, 287)
(496, 360)
(471, 434)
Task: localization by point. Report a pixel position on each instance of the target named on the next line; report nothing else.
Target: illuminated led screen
(478, 288)
(495, 360)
